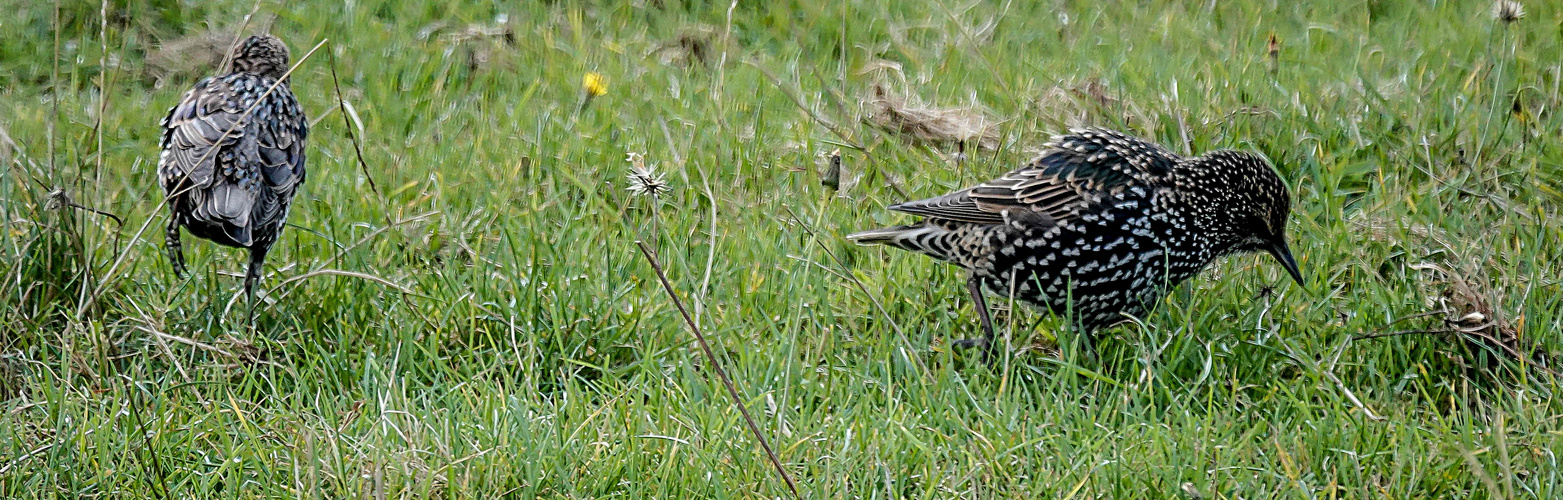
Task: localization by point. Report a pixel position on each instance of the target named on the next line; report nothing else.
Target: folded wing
(217, 160)
(1076, 173)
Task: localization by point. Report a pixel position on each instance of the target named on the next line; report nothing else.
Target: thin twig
(1478, 332)
(1351, 396)
(97, 131)
(1403, 332)
(711, 357)
(54, 88)
(61, 198)
(705, 281)
(23, 458)
(342, 104)
(238, 36)
(1327, 374)
(351, 274)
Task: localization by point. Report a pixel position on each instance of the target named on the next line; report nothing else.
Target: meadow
(460, 310)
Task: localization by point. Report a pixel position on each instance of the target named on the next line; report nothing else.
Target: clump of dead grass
(1089, 101)
(480, 44)
(1459, 295)
(190, 56)
(692, 46)
(927, 124)
(1467, 309)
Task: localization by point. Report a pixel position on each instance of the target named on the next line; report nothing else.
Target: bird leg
(974, 286)
(253, 275)
(176, 254)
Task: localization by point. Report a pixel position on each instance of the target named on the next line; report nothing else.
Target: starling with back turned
(1100, 226)
(233, 156)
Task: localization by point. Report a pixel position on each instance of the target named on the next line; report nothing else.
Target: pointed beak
(1283, 255)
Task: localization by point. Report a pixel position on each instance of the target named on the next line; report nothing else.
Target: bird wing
(281, 140)
(196, 134)
(280, 154)
(219, 157)
(1076, 172)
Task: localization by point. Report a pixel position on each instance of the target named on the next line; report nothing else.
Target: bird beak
(1284, 256)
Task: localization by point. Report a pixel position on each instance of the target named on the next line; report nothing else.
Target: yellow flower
(594, 84)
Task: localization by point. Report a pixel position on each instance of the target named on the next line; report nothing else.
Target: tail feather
(881, 236)
(935, 240)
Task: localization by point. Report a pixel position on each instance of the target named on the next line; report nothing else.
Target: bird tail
(934, 240)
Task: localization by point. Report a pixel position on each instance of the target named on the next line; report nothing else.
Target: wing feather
(1074, 174)
(217, 160)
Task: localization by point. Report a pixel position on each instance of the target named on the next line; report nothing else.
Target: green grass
(535, 355)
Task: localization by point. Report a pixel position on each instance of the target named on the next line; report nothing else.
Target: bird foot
(970, 343)
(981, 344)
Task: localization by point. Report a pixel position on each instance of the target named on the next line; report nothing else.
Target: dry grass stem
(691, 47)
(717, 367)
(189, 56)
(927, 124)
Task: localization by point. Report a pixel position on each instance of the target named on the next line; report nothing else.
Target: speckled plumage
(1102, 219)
(230, 176)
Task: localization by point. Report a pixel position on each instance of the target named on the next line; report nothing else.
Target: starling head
(263, 55)
(1243, 203)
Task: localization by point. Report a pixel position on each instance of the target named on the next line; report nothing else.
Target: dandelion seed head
(644, 180)
(1508, 11)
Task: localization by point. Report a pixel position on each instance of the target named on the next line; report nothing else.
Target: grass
(484, 326)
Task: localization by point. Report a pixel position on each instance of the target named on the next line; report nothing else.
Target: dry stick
(1330, 375)
(1403, 332)
(60, 197)
(705, 281)
(337, 272)
(126, 252)
(97, 130)
(1476, 332)
(238, 35)
(54, 84)
(711, 356)
(24, 457)
(342, 104)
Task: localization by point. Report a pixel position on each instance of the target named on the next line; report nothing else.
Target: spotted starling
(1099, 226)
(233, 156)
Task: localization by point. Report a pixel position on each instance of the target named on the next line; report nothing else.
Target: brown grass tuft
(1466, 302)
(1087, 102)
(919, 123)
(693, 46)
(1467, 307)
(193, 55)
(481, 44)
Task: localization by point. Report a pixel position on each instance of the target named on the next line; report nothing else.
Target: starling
(233, 156)
(1099, 226)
